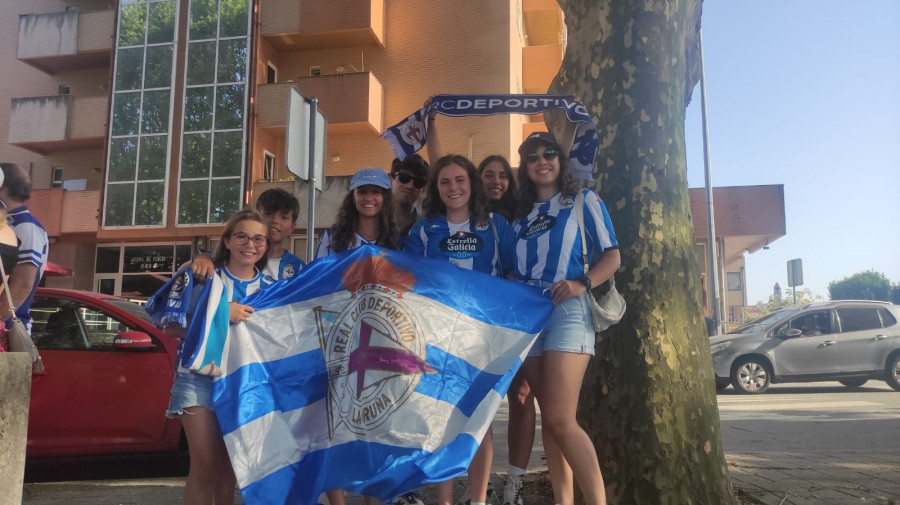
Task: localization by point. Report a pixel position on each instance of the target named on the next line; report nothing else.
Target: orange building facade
(145, 123)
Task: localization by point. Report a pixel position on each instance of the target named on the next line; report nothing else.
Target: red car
(107, 381)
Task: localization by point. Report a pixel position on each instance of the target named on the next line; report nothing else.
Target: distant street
(810, 417)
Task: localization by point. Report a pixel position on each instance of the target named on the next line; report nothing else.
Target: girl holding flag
(364, 217)
(548, 254)
(239, 260)
(458, 228)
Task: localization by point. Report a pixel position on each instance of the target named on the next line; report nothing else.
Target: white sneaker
(512, 491)
(410, 498)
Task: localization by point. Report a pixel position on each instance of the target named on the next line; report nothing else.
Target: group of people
(518, 226)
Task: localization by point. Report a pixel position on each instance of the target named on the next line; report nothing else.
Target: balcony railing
(70, 40)
(61, 122)
(293, 25)
(353, 103)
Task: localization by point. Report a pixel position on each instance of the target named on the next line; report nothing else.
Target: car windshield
(130, 307)
(765, 322)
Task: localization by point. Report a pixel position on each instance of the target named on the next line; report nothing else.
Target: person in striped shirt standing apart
(548, 254)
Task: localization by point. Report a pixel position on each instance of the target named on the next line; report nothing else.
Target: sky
(807, 94)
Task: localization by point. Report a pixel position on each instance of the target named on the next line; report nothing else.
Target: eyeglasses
(404, 178)
(241, 238)
(550, 153)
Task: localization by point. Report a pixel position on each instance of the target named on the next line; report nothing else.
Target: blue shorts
(189, 390)
(569, 329)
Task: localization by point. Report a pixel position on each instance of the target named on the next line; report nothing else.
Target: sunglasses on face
(241, 238)
(550, 153)
(404, 178)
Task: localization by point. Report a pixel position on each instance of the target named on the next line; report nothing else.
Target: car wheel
(893, 372)
(751, 376)
(853, 383)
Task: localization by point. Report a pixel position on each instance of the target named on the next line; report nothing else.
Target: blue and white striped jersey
(33, 245)
(468, 246)
(548, 246)
(325, 248)
(236, 288)
(285, 267)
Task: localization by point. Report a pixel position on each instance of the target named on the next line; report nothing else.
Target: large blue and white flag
(371, 371)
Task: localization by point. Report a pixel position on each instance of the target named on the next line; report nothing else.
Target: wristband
(584, 279)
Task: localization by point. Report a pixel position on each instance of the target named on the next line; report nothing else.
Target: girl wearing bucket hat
(364, 216)
(548, 254)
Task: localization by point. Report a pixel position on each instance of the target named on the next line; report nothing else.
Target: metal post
(710, 213)
(311, 181)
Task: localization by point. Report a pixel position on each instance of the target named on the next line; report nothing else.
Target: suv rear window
(858, 318)
(887, 318)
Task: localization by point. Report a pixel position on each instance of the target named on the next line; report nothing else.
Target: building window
(215, 102)
(271, 74)
(137, 271)
(268, 167)
(64, 90)
(57, 180)
(734, 281)
(141, 114)
(314, 71)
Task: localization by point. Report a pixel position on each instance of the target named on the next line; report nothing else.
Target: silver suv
(845, 340)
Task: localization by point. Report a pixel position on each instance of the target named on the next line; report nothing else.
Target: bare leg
(207, 452)
(520, 434)
(560, 472)
(556, 380)
(480, 468)
(445, 492)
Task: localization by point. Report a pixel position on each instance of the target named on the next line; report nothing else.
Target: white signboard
(297, 139)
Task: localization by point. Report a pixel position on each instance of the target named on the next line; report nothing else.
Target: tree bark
(649, 400)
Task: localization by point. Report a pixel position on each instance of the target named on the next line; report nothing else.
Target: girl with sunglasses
(458, 228)
(239, 260)
(548, 254)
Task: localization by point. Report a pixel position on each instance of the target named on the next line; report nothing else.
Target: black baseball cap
(545, 137)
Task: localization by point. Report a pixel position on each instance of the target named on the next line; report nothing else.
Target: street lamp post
(710, 213)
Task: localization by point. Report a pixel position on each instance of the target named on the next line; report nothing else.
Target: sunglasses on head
(405, 178)
(549, 154)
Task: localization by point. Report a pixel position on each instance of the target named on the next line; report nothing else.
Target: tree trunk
(649, 399)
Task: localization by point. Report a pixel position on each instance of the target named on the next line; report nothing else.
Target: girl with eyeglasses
(458, 228)
(548, 254)
(239, 260)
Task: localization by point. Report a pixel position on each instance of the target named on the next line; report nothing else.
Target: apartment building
(146, 123)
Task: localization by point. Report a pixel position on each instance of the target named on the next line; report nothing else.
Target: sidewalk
(819, 478)
(767, 478)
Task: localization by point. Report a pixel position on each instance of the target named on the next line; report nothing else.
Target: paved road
(809, 416)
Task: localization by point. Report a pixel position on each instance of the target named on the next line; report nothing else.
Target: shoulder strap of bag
(496, 245)
(579, 212)
(12, 308)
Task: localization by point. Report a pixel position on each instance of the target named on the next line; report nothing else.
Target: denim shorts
(569, 329)
(189, 390)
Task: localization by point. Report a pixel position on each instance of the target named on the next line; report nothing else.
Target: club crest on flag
(374, 349)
